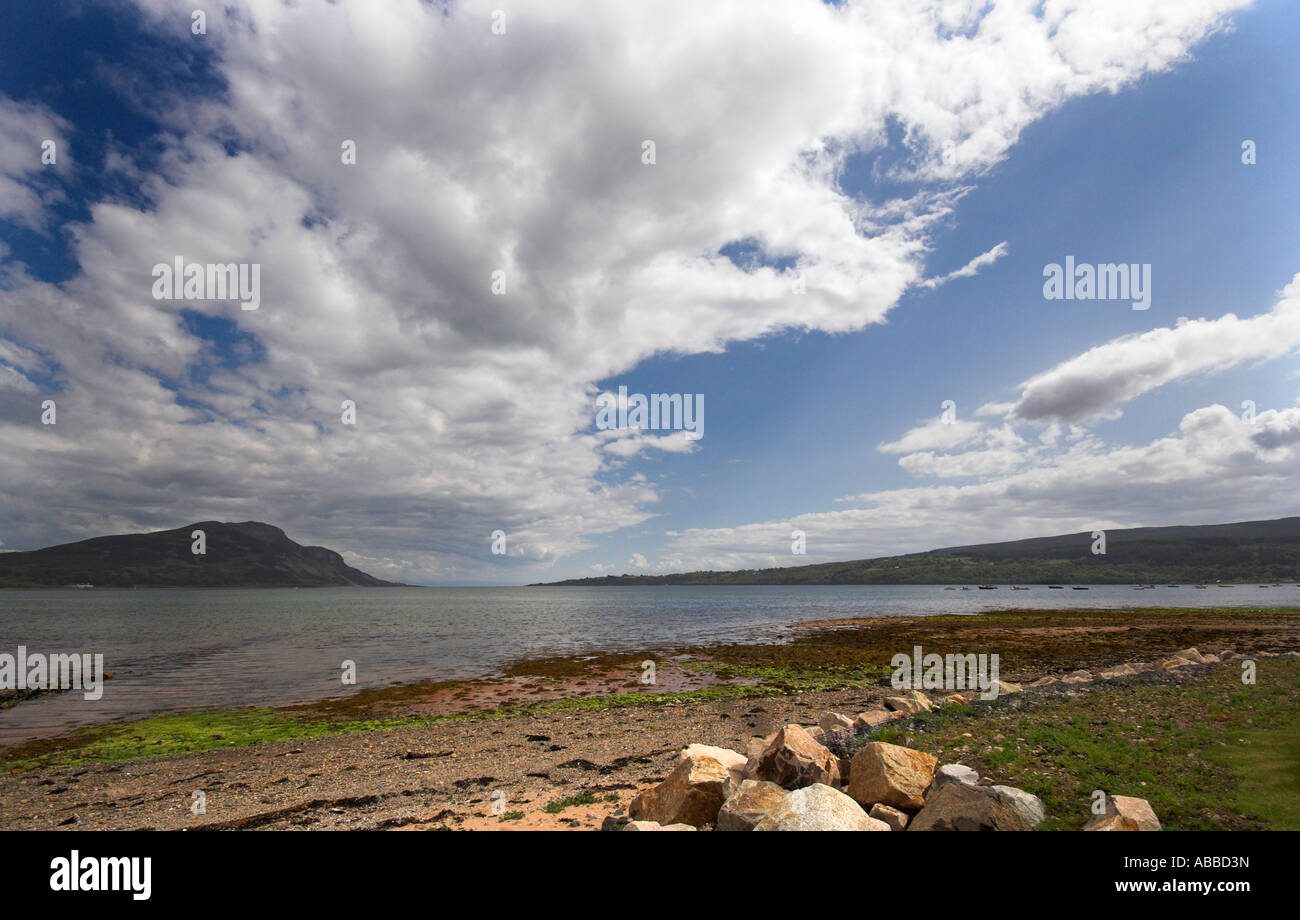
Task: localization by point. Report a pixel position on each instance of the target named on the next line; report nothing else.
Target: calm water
(182, 649)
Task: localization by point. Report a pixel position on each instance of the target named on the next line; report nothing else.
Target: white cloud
(28, 185)
(1101, 378)
(971, 268)
(1238, 471)
(636, 441)
(986, 450)
(972, 463)
(935, 433)
(520, 152)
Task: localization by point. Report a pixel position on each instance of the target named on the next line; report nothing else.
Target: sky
(830, 228)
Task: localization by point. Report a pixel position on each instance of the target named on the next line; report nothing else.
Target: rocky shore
(607, 768)
(832, 777)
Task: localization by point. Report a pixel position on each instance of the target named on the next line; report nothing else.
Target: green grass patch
(1208, 753)
(558, 805)
(1266, 766)
(178, 733)
(205, 730)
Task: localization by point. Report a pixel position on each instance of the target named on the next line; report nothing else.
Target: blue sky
(1106, 139)
(1149, 174)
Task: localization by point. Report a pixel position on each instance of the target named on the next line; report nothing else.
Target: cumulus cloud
(1277, 431)
(634, 441)
(29, 184)
(1109, 375)
(966, 464)
(478, 153)
(977, 449)
(935, 433)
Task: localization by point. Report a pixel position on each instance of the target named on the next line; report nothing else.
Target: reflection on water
(182, 649)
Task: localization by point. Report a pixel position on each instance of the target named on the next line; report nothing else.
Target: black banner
(331, 870)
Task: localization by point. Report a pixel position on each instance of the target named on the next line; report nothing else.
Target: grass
(558, 805)
(179, 733)
(1266, 767)
(205, 730)
(1207, 753)
(793, 678)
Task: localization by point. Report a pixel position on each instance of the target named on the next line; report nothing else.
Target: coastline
(590, 729)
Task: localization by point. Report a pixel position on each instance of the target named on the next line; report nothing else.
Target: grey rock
(955, 773)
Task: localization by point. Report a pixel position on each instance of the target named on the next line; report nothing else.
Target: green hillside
(1253, 551)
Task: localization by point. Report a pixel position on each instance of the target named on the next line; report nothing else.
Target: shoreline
(420, 756)
(825, 654)
(580, 770)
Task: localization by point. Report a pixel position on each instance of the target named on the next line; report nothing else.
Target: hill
(247, 555)
(1250, 551)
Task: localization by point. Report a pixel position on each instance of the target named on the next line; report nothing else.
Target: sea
(172, 650)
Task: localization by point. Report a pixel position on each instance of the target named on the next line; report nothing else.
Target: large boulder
(958, 807)
(793, 759)
(897, 820)
(1081, 676)
(1125, 813)
(655, 826)
(819, 808)
(1191, 654)
(735, 763)
(692, 794)
(955, 773)
(875, 718)
(1044, 682)
(910, 703)
(1029, 806)
(1171, 663)
(891, 774)
(754, 800)
(756, 746)
(846, 767)
(833, 722)
(926, 703)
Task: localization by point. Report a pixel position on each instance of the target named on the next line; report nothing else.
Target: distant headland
(1250, 551)
(207, 554)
